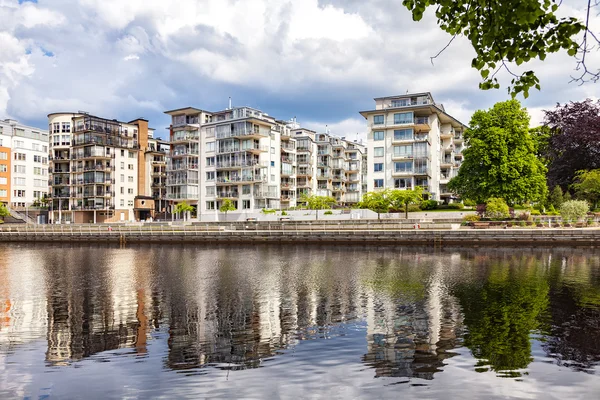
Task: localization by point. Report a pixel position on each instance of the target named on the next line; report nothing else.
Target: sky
(321, 61)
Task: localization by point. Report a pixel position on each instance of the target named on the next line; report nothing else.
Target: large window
(378, 152)
(403, 183)
(378, 135)
(378, 119)
(403, 166)
(378, 183)
(403, 151)
(403, 134)
(378, 167)
(401, 103)
(403, 118)
(210, 146)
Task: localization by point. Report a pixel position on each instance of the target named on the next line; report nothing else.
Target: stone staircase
(17, 217)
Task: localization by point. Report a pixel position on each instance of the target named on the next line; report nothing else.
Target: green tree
(314, 202)
(510, 31)
(3, 211)
(566, 196)
(500, 314)
(587, 186)
(500, 158)
(183, 208)
(574, 210)
(541, 139)
(556, 197)
(496, 208)
(378, 201)
(403, 198)
(226, 206)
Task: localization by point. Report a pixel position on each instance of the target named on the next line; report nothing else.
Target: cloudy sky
(319, 60)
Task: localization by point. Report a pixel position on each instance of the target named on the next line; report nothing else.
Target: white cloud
(350, 128)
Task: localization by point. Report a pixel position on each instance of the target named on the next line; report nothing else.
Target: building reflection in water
(233, 310)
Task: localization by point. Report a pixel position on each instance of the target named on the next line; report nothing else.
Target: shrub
(469, 203)
(496, 208)
(265, 211)
(429, 205)
(456, 206)
(574, 210)
(522, 223)
(471, 218)
(284, 213)
(328, 212)
(413, 208)
(535, 212)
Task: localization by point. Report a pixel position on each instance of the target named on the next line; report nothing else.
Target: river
(269, 322)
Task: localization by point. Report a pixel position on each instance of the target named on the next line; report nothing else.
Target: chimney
(229, 103)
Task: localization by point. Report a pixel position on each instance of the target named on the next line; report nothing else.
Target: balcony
(228, 195)
(304, 172)
(323, 177)
(237, 164)
(422, 171)
(241, 179)
(447, 134)
(301, 148)
(179, 137)
(402, 156)
(91, 155)
(422, 122)
(288, 148)
(354, 178)
(447, 162)
(403, 172)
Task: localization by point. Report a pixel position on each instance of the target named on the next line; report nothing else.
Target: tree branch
(584, 48)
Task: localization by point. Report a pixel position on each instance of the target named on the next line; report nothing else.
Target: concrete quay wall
(459, 237)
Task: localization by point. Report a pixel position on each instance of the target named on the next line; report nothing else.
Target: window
(3, 156)
(130, 179)
(19, 181)
(40, 183)
(3, 168)
(210, 176)
(3, 193)
(66, 127)
(122, 153)
(403, 118)
(378, 183)
(378, 152)
(403, 166)
(400, 103)
(403, 151)
(403, 134)
(246, 189)
(44, 160)
(272, 150)
(210, 161)
(37, 159)
(378, 135)
(45, 149)
(122, 178)
(37, 194)
(37, 171)
(130, 203)
(35, 147)
(122, 203)
(0, 138)
(65, 140)
(378, 120)
(378, 167)
(19, 193)
(130, 166)
(210, 205)
(122, 165)
(56, 127)
(210, 190)
(245, 204)
(403, 183)
(3, 181)
(210, 146)
(272, 163)
(131, 154)
(272, 177)
(130, 191)
(122, 190)
(19, 169)
(20, 157)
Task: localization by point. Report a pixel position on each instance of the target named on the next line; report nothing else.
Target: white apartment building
(411, 142)
(23, 164)
(329, 166)
(240, 154)
(98, 169)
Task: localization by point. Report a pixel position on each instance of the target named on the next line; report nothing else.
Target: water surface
(298, 322)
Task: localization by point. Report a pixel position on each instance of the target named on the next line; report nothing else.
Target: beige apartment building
(412, 141)
(100, 169)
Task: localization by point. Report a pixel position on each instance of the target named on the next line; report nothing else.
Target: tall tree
(513, 31)
(227, 206)
(379, 201)
(556, 197)
(500, 158)
(574, 143)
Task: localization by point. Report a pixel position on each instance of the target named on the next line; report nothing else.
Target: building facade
(411, 142)
(23, 164)
(99, 170)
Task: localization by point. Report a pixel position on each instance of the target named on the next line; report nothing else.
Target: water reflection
(237, 309)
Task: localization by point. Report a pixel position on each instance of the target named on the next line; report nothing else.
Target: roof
(185, 110)
(405, 95)
(433, 107)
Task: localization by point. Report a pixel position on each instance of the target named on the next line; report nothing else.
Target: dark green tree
(500, 159)
(587, 186)
(512, 31)
(556, 197)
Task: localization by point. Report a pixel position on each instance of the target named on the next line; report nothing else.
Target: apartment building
(412, 141)
(241, 154)
(156, 158)
(329, 166)
(23, 164)
(98, 169)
